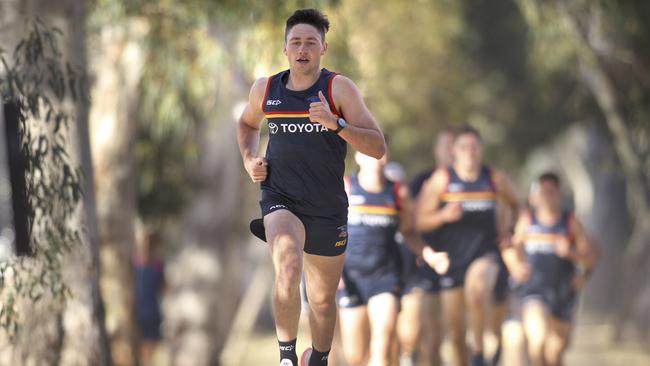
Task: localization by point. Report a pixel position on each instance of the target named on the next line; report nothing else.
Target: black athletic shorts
(360, 287)
(560, 300)
(324, 235)
(455, 277)
(416, 276)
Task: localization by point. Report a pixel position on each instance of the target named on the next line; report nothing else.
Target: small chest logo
(455, 187)
(273, 128)
(357, 199)
(273, 102)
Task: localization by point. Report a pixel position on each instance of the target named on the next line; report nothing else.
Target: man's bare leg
(322, 275)
(436, 333)
(355, 334)
(409, 324)
(535, 316)
(286, 236)
(514, 344)
(382, 315)
(557, 341)
(479, 286)
(453, 306)
(498, 313)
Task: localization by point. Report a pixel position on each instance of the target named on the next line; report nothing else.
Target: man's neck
(301, 81)
(548, 215)
(371, 180)
(468, 173)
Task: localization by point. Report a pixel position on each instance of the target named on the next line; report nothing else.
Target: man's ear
(284, 48)
(324, 48)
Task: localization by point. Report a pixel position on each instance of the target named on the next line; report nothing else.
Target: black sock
(497, 356)
(318, 358)
(288, 351)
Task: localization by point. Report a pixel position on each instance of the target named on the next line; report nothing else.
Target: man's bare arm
(509, 206)
(513, 255)
(428, 216)
(248, 132)
(363, 132)
(439, 261)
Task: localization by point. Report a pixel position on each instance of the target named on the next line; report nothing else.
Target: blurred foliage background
(562, 85)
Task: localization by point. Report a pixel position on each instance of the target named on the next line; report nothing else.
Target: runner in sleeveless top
(461, 203)
(421, 287)
(551, 258)
(311, 113)
(369, 292)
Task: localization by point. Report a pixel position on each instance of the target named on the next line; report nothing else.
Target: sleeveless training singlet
(475, 234)
(306, 160)
(373, 221)
(548, 270)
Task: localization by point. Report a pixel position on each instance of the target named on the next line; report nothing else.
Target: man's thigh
(285, 234)
(322, 275)
(482, 275)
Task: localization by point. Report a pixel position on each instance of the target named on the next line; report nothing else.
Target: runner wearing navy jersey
(372, 278)
(551, 259)
(460, 203)
(311, 114)
(419, 318)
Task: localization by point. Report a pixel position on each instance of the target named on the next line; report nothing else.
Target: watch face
(341, 122)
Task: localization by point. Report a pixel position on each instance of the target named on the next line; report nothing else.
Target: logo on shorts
(273, 128)
(276, 207)
(343, 231)
(446, 282)
(348, 300)
(341, 243)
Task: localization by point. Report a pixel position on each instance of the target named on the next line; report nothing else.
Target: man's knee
(476, 295)
(481, 276)
(322, 303)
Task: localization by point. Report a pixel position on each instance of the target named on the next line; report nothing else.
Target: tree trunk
(117, 63)
(71, 334)
(96, 345)
(205, 278)
(585, 29)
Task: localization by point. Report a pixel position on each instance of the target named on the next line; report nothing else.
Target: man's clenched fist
(257, 169)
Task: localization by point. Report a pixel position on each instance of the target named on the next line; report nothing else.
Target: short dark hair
(312, 17)
(551, 177)
(467, 130)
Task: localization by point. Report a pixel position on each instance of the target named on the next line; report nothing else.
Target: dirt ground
(590, 348)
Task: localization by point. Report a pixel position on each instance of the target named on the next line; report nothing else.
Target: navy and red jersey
(475, 234)
(548, 270)
(373, 221)
(306, 160)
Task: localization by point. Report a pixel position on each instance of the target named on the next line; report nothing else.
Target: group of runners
(449, 256)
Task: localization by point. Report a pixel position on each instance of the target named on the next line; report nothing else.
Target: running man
(421, 287)
(372, 280)
(552, 259)
(460, 203)
(312, 113)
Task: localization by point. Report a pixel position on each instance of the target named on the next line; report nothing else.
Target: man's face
(546, 195)
(443, 150)
(304, 46)
(468, 150)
